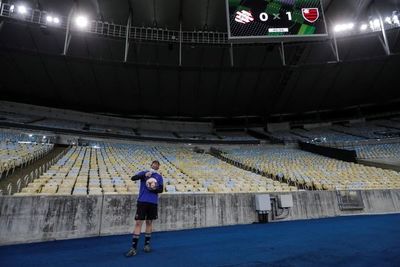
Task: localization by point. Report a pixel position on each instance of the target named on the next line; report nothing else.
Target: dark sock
(147, 239)
(135, 241)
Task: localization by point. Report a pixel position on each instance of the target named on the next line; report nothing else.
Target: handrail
(9, 188)
(18, 184)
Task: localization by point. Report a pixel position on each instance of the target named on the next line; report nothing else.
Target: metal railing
(116, 30)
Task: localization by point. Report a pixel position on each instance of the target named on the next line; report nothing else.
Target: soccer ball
(151, 183)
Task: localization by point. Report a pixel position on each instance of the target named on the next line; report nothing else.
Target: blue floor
(342, 241)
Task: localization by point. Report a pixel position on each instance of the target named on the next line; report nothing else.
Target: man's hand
(153, 186)
(148, 174)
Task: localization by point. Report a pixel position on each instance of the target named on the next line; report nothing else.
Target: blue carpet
(342, 241)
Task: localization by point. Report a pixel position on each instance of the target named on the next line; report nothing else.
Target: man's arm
(138, 176)
(160, 188)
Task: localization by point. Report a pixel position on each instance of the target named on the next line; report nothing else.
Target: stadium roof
(92, 76)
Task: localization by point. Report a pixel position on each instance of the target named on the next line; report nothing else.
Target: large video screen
(263, 20)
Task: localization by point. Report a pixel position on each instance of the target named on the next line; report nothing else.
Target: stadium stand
(11, 136)
(61, 124)
(312, 171)
(207, 173)
(389, 123)
(339, 133)
(18, 118)
(286, 136)
(367, 130)
(15, 154)
(126, 132)
(197, 136)
(378, 151)
(93, 170)
(157, 134)
(237, 136)
(111, 129)
(326, 134)
(107, 169)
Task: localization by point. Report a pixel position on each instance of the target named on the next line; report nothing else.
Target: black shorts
(146, 211)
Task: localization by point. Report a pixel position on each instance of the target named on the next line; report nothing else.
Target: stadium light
(51, 19)
(363, 27)
(375, 24)
(395, 19)
(22, 9)
(344, 27)
(388, 20)
(81, 21)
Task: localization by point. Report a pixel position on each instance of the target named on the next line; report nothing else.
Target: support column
(384, 42)
(231, 55)
(335, 48)
(127, 35)
(282, 52)
(180, 43)
(68, 35)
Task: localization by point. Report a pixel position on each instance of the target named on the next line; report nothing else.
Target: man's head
(155, 165)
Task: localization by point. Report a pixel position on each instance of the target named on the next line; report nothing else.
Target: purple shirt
(146, 195)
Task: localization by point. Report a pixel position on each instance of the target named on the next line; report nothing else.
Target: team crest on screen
(310, 14)
(243, 17)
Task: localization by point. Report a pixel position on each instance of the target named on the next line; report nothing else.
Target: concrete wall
(40, 218)
(180, 212)
(24, 219)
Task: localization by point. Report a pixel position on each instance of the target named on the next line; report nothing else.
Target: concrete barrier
(314, 205)
(38, 218)
(381, 201)
(42, 218)
(178, 212)
(118, 213)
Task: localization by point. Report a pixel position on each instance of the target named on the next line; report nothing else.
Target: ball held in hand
(151, 183)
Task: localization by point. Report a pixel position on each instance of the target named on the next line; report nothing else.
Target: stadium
(252, 132)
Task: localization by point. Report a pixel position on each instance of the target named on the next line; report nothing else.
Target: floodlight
(81, 21)
(364, 27)
(22, 9)
(344, 27)
(396, 20)
(52, 20)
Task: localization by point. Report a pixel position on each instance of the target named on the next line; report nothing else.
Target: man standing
(151, 184)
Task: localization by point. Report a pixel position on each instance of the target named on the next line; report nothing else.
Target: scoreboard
(275, 20)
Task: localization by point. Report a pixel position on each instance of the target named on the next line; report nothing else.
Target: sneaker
(131, 252)
(147, 248)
